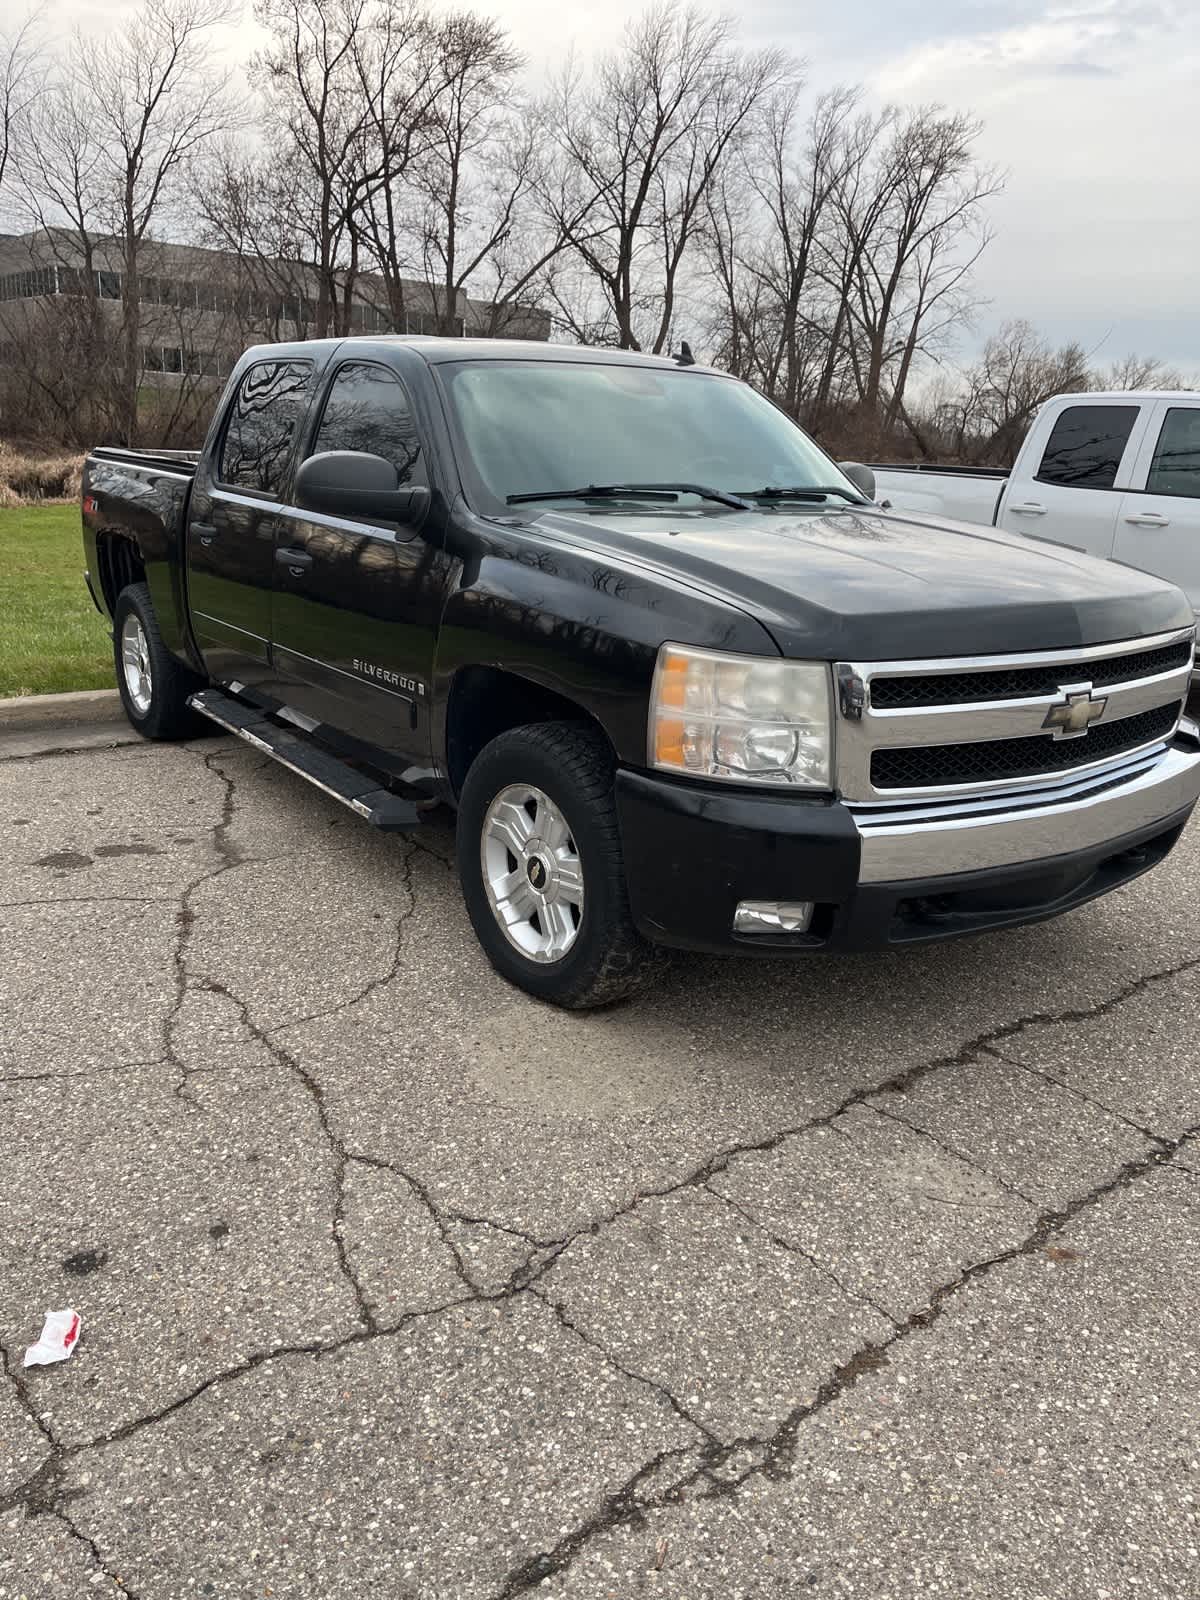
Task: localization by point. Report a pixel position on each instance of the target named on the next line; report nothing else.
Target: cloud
(1090, 109)
(1102, 38)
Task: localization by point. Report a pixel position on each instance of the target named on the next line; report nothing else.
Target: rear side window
(1176, 465)
(1086, 446)
(267, 411)
(368, 410)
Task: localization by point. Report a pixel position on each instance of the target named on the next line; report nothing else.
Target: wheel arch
(486, 701)
(119, 563)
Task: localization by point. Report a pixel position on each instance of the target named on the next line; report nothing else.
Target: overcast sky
(1090, 106)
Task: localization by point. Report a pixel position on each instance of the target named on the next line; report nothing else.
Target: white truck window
(1086, 445)
(1175, 467)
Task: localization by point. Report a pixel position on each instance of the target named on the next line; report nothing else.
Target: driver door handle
(296, 561)
(1149, 519)
(1029, 508)
(206, 532)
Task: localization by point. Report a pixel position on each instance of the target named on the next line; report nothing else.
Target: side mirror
(353, 483)
(861, 477)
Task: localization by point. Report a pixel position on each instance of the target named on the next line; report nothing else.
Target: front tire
(539, 858)
(153, 685)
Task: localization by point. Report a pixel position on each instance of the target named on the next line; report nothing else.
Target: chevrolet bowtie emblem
(1076, 712)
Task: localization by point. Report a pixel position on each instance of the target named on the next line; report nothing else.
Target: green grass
(52, 638)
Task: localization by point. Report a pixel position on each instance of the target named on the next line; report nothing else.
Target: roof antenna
(685, 358)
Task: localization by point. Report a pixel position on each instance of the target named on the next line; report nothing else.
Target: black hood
(865, 584)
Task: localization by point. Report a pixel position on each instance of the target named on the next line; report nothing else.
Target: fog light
(772, 916)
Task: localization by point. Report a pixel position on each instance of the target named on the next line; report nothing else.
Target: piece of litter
(59, 1338)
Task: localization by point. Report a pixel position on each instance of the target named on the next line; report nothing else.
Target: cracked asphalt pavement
(874, 1278)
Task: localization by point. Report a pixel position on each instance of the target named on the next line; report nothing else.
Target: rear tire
(543, 877)
(154, 686)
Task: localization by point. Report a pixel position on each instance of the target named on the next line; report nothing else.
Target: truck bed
(966, 494)
(135, 503)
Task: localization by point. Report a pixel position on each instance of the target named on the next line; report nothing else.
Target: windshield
(534, 426)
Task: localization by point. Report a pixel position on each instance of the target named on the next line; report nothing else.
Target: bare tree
(910, 230)
(766, 221)
(307, 76)
(401, 68)
(22, 78)
(155, 103)
(1141, 372)
(468, 185)
(641, 144)
(255, 208)
(986, 416)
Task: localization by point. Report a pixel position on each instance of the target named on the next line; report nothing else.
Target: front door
(356, 604)
(1158, 528)
(232, 520)
(1072, 498)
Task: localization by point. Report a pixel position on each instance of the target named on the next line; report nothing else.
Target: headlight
(748, 719)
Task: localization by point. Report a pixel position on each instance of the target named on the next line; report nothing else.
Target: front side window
(368, 410)
(1086, 446)
(267, 410)
(538, 425)
(1175, 468)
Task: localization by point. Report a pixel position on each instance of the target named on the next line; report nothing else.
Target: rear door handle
(1029, 508)
(296, 561)
(206, 532)
(1149, 519)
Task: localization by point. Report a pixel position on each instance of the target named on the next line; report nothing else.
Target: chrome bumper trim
(942, 840)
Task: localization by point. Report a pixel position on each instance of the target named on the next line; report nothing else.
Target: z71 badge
(390, 679)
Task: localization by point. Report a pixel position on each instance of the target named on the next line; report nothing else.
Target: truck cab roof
(436, 350)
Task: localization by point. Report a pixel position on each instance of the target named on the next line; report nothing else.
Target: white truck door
(1064, 487)
(1158, 526)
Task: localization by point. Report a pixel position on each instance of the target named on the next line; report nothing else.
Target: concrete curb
(27, 713)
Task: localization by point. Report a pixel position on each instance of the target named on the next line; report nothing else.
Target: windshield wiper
(668, 492)
(807, 492)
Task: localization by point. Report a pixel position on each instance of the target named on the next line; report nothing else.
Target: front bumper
(884, 877)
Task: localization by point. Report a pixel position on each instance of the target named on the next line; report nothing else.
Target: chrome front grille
(1019, 683)
(983, 725)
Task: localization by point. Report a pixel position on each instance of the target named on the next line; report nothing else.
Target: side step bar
(324, 771)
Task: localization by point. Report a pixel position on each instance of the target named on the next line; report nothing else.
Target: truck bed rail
(183, 462)
(934, 466)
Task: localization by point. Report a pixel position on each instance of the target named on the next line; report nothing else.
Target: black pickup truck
(684, 681)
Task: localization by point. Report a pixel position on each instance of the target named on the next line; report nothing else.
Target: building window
(28, 285)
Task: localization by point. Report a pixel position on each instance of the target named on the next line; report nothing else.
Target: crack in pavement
(1079, 1094)
(772, 1456)
(897, 1083)
(514, 1232)
(382, 979)
(92, 900)
(337, 1149)
(119, 743)
(43, 1493)
(377, 1163)
(85, 1072)
(798, 1250)
(661, 1389)
(957, 1154)
(185, 918)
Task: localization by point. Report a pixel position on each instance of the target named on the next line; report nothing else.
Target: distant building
(199, 308)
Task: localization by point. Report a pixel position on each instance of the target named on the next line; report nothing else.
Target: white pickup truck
(1117, 475)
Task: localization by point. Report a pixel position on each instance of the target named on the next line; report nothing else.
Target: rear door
(234, 508)
(1158, 526)
(356, 603)
(1072, 497)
